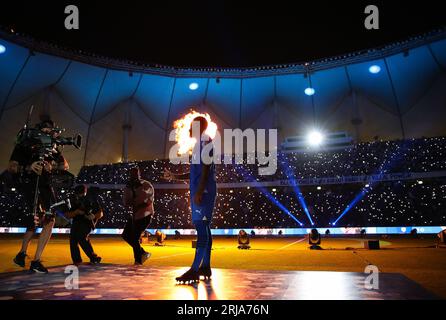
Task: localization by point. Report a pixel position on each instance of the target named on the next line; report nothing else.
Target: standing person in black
(139, 195)
(85, 212)
(25, 162)
(9, 178)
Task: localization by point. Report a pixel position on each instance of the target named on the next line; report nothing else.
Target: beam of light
(290, 176)
(267, 194)
(386, 165)
(278, 204)
(352, 204)
(182, 127)
(62, 215)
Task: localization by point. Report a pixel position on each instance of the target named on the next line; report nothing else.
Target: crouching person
(85, 212)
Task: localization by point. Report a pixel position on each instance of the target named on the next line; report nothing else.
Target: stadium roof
(390, 92)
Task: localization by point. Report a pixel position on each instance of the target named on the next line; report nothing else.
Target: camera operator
(85, 212)
(139, 195)
(27, 163)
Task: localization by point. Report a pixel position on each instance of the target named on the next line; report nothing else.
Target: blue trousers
(204, 244)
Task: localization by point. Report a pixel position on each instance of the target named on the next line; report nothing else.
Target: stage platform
(124, 282)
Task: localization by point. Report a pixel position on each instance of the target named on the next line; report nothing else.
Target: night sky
(221, 33)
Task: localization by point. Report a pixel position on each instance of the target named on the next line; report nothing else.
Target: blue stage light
(2, 49)
(290, 176)
(387, 164)
(374, 69)
(193, 86)
(264, 191)
(309, 91)
(352, 204)
(279, 205)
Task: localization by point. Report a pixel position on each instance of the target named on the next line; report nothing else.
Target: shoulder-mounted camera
(45, 143)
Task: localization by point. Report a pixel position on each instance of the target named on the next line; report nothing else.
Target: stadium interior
(362, 149)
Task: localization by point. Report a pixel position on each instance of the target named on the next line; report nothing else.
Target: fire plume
(182, 127)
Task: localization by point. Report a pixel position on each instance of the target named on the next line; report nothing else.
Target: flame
(182, 135)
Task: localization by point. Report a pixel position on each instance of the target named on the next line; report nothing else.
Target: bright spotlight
(315, 138)
(2, 49)
(319, 187)
(367, 185)
(309, 91)
(374, 69)
(420, 181)
(193, 86)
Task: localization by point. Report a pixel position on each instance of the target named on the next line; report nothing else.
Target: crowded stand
(414, 155)
(385, 203)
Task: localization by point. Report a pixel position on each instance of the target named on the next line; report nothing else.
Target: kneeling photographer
(85, 212)
(33, 159)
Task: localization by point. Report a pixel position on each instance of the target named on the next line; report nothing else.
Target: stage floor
(128, 282)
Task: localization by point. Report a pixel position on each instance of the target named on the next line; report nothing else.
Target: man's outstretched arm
(175, 176)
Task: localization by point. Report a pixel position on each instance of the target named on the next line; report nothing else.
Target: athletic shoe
(145, 256)
(20, 259)
(206, 272)
(37, 266)
(95, 260)
(189, 277)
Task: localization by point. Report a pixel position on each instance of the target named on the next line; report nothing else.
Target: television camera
(45, 144)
